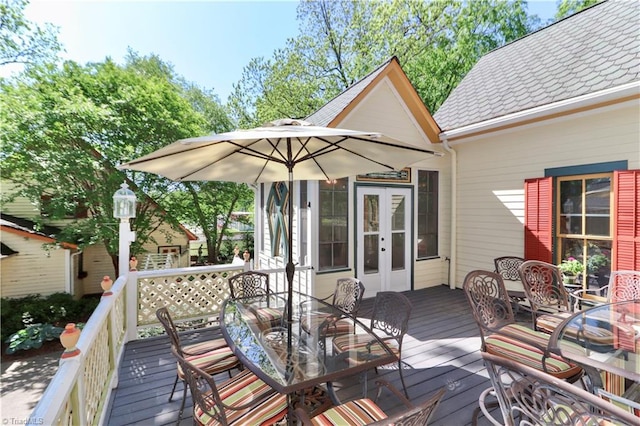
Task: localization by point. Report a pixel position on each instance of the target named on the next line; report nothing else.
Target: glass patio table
(605, 341)
(286, 357)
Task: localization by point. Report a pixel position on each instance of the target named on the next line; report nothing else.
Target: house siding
(492, 170)
(33, 270)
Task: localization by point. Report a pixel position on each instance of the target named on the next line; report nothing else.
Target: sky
(208, 42)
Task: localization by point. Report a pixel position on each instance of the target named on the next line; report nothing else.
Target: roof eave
(401, 82)
(618, 94)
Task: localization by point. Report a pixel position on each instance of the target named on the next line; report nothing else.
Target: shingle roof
(29, 226)
(593, 50)
(331, 109)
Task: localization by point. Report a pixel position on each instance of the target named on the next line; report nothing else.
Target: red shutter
(538, 219)
(626, 221)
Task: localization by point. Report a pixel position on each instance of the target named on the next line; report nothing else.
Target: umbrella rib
(244, 150)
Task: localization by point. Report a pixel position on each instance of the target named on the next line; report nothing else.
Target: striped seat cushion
(514, 348)
(550, 322)
(209, 345)
(271, 316)
(242, 389)
(357, 413)
(359, 342)
(311, 323)
(212, 362)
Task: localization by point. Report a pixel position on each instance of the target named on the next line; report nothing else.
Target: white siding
(33, 270)
(492, 170)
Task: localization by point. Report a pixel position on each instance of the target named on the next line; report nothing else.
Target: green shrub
(32, 337)
(57, 309)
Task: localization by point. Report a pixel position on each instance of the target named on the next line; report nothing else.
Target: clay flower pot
(106, 284)
(69, 339)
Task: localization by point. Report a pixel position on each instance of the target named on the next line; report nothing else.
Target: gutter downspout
(70, 279)
(453, 264)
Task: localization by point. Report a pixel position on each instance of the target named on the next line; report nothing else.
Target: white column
(126, 237)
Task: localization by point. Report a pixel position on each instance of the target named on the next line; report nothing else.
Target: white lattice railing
(81, 388)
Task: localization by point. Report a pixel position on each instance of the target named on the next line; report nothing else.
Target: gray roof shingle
(596, 49)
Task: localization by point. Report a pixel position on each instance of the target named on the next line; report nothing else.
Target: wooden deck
(441, 349)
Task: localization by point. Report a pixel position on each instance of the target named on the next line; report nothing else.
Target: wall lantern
(124, 203)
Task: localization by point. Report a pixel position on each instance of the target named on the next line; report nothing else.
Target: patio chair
(213, 356)
(501, 336)
(244, 399)
(507, 268)
(346, 297)
(253, 283)
(623, 286)
(533, 397)
(390, 320)
(366, 412)
(546, 293)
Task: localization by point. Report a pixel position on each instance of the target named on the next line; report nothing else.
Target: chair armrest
(588, 295)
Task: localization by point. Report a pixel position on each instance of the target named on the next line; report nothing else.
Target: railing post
(131, 306)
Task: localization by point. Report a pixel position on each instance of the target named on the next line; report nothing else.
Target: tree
(569, 7)
(21, 41)
(340, 42)
(65, 130)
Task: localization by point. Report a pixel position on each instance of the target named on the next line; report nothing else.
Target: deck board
(441, 349)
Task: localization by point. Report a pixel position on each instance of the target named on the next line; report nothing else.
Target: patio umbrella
(273, 152)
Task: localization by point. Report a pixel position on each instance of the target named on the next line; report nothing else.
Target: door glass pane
(597, 200)
(397, 251)
(371, 254)
(397, 212)
(371, 220)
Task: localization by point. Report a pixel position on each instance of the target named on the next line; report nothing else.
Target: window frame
(436, 196)
(332, 267)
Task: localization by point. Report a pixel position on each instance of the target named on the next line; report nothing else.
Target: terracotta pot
(106, 284)
(69, 339)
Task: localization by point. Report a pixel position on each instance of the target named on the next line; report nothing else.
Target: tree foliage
(340, 42)
(569, 7)
(21, 41)
(65, 130)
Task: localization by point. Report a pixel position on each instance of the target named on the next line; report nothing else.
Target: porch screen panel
(626, 243)
(538, 219)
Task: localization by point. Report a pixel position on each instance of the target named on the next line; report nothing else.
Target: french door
(384, 238)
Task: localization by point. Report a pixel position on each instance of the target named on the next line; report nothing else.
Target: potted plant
(571, 268)
(599, 266)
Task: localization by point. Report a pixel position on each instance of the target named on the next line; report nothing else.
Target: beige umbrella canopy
(274, 152)
(270, 153)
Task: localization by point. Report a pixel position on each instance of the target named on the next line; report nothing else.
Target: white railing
(80, 390)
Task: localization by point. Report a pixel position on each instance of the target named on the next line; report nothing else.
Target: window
(427, 214)
(333, 224)
(584, 224)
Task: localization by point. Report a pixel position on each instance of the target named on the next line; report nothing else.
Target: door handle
(383, 249)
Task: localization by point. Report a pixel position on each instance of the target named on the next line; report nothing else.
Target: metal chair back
(489, 301)
(249, 284)
(530, 396)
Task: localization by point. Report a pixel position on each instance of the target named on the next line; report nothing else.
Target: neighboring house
(30, 268)
(41, 265)
(542, 143)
